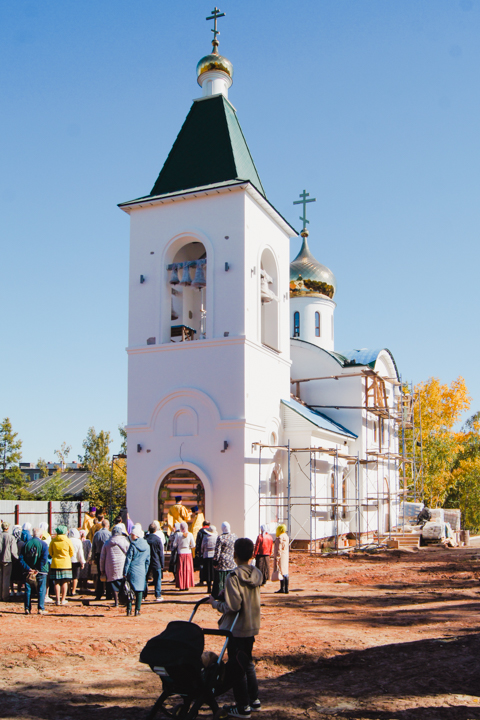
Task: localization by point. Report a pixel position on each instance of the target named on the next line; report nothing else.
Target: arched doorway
(180, 482)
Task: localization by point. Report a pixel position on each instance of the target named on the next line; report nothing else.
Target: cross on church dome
(304, 202)
(214, 61)
(214, 16)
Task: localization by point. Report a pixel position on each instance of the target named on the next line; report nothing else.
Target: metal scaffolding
(362, 489)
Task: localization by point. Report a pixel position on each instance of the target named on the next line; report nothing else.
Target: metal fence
(57, 512)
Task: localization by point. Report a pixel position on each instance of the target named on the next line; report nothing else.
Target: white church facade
(237, 399)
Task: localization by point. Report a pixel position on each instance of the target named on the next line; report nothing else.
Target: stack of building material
(409, 511)
(453, 516)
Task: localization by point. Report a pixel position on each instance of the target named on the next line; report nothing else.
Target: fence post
(79, 516)
(17, 514)
(50, 517)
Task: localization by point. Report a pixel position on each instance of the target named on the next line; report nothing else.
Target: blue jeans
(41, 589)
(157, 582)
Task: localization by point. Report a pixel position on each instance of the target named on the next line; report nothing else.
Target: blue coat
(137, 561)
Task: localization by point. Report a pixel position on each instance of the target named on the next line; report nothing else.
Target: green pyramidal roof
(210, 148)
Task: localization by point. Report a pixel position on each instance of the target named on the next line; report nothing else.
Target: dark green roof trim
(210, 148)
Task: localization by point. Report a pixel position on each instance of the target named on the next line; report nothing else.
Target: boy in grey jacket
(242, 594)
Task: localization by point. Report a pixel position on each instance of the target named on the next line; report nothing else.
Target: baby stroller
(176, 657)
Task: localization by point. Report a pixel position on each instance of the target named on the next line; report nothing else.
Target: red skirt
(184, 576)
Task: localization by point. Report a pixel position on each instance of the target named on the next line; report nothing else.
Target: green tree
(97, 451)
(13, 483)
(43, 467)
(123, 435)
(54, 488)
(465, 491)
(63, 454)
(107, 485)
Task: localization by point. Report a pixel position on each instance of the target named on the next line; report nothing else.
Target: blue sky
(372, 106)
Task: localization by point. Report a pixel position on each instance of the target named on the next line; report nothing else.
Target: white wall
(231, 386)
(307, 307)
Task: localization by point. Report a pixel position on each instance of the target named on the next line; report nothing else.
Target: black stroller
(176, 657)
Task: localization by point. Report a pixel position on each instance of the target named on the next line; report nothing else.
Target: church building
(237, 398)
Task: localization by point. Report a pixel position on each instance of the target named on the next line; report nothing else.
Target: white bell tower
(209, 327)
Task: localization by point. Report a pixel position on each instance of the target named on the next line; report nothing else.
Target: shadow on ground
(410, 678)
(404, 681)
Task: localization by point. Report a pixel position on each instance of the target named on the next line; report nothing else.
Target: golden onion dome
(308, 276)
(214, 61)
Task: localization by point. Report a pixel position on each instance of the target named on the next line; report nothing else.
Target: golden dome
(214, 62)
(308, 276)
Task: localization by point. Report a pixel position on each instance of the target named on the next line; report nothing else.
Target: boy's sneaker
(255, 705)
(236, 712)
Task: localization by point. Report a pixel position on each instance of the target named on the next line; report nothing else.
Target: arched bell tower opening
(187, 281)
(180, 482)
(269, 300)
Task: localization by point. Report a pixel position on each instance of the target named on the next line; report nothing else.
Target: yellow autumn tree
(441, 407)
(465, 493)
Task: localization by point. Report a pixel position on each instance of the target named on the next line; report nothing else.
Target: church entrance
(184, 483)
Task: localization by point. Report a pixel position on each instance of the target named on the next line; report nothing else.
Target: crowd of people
(99, 558)
(118, 563)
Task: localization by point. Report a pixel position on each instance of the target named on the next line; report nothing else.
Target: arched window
(269, 300)
(317, 324)
(296, 324)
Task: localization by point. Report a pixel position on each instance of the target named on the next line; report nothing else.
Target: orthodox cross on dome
(214, 16)
(304, 202)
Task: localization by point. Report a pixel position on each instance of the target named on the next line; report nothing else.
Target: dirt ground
(388, 636)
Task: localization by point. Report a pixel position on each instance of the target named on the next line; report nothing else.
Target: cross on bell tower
(214, 16)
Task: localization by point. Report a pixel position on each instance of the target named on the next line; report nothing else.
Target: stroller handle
(197, 605)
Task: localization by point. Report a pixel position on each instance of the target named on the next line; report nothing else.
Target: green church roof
(210, 148)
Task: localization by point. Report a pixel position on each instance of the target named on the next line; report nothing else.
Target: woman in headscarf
(84, 573)
(112, 559)
(17, 576)
(78, 558)
(61, 551)
(45, 535)
(280, 557)
(172, 565)
(223, 561)
(136, 566)
(209, 542)
(262, 552)
(184, 543)
(27, 532)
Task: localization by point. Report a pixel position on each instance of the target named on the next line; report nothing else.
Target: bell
(186, 279)
(174, 277)
(265, 293)
(174, 314)
(199, 279)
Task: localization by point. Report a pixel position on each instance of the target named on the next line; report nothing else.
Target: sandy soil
(387, 636)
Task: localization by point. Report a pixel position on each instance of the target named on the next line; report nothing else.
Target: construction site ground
(390, 635)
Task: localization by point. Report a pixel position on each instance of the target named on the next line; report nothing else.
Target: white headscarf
(137, 530)
(73, 533)
(27, 526)
(225, 527)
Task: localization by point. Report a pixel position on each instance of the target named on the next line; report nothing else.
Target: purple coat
(112, 558)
